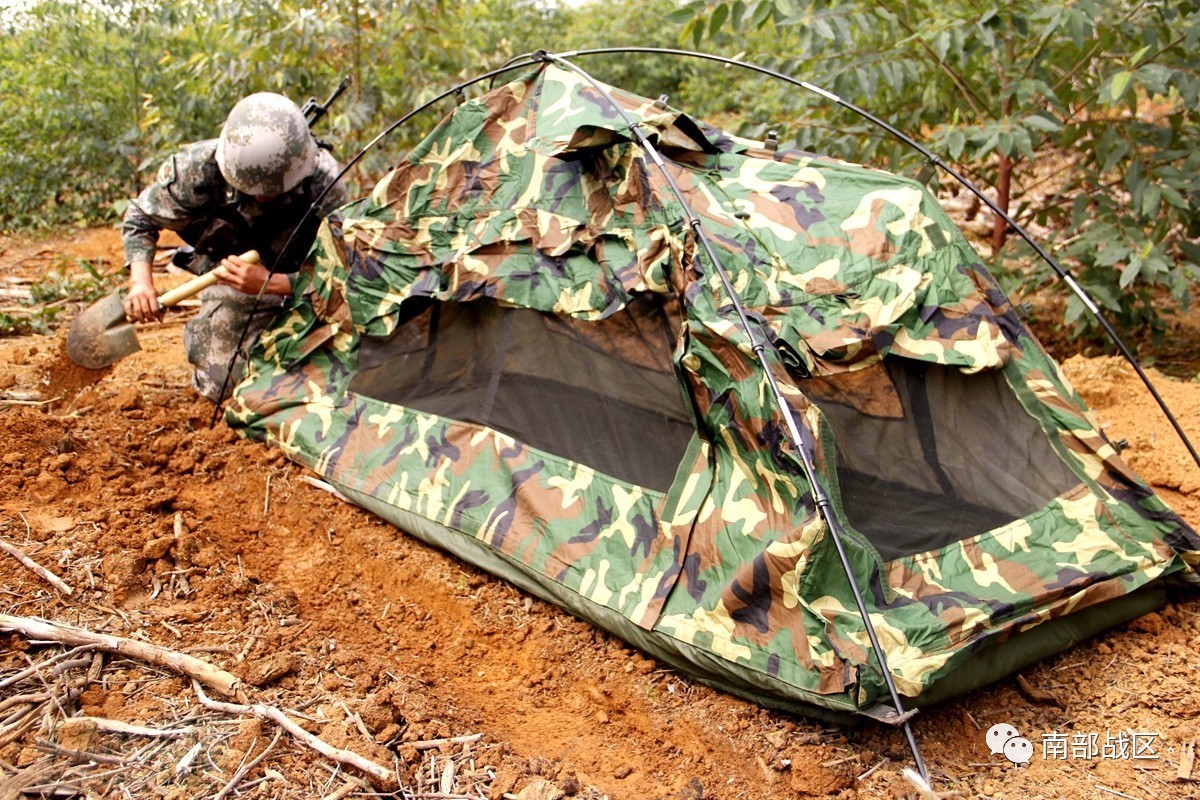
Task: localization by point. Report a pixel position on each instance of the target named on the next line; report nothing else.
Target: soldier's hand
(245, 276)
(249, 277)
(141, 302)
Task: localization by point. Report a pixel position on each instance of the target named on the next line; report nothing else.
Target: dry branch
(433, 744)
(9, 400)
(57, 661)
(44, 573)
(382, 776)
(345, 790)
(116, 726)
(224, 682)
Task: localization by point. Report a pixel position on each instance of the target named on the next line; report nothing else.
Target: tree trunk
(1003, 187)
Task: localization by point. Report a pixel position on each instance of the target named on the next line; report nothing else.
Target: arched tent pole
(820, 499)
(511, 64)
(935, 160)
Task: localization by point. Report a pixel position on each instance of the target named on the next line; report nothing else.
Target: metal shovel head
(101, 335)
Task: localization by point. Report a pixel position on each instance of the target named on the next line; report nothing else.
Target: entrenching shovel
(102, 335)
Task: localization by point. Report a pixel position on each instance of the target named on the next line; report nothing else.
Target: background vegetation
(1081, 113)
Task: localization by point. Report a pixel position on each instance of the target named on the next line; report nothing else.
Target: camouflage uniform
(191, 197)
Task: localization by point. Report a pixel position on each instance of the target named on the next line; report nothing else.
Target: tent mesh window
(928, 456)
(601, 393)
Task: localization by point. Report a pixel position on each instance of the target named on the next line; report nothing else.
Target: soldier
(246, 190)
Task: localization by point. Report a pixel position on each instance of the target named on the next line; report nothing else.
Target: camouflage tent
(514, 350)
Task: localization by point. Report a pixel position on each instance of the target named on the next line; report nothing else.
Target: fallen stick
(47, 746)
(44, 573)
(345, 790)
(433, 744)
(116, 726)
(12, 401)
(185, 763)
(224, 682)
(29, 672)
(383, 777)
(872, 770)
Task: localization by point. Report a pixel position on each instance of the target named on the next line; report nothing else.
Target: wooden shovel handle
(199, 284)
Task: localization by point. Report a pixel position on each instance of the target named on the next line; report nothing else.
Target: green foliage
(95, 93)
(1087, 107)
(51, 297)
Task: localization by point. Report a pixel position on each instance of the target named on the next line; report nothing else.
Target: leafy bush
(54, 295)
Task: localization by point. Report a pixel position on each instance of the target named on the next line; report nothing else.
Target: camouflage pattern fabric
(535, 196)
(191, 197)
(266, 148)
(211, 337)
(189, 194)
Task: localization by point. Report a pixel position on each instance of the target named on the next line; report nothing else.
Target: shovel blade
(100, 335)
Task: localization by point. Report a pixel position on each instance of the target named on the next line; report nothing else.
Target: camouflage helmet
(266, 148)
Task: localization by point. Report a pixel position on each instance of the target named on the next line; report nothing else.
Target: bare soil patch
(186, 536)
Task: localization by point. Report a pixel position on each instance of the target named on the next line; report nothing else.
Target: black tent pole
(820, 499)
(935, 160)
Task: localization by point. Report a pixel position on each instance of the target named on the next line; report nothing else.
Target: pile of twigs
(193, 749)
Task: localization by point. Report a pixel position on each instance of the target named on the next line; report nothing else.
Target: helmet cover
(266, 148)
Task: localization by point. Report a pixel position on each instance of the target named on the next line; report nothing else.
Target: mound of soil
(177, 533)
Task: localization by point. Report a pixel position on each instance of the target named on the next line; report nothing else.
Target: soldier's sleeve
(327, 170)
(155, 209)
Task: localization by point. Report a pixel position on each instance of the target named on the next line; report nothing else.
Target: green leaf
(1004, 143)
(1130, 273)
(682, 14)
(737, 14)
(955, 142)
(1151, 199)
(719, 14)
(1120, 82)
(1174, 198)
(761, 13)
(688, 29)
(941, 45)
(1042, 122)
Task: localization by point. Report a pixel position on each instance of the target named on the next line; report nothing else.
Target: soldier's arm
(157, 208)
(139, 233)
(163, 205)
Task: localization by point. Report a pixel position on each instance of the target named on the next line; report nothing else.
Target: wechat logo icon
(1003, 739)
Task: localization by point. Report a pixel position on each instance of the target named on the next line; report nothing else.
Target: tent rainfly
(515, 349)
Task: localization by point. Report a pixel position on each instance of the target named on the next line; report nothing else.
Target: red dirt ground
(269, 570)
